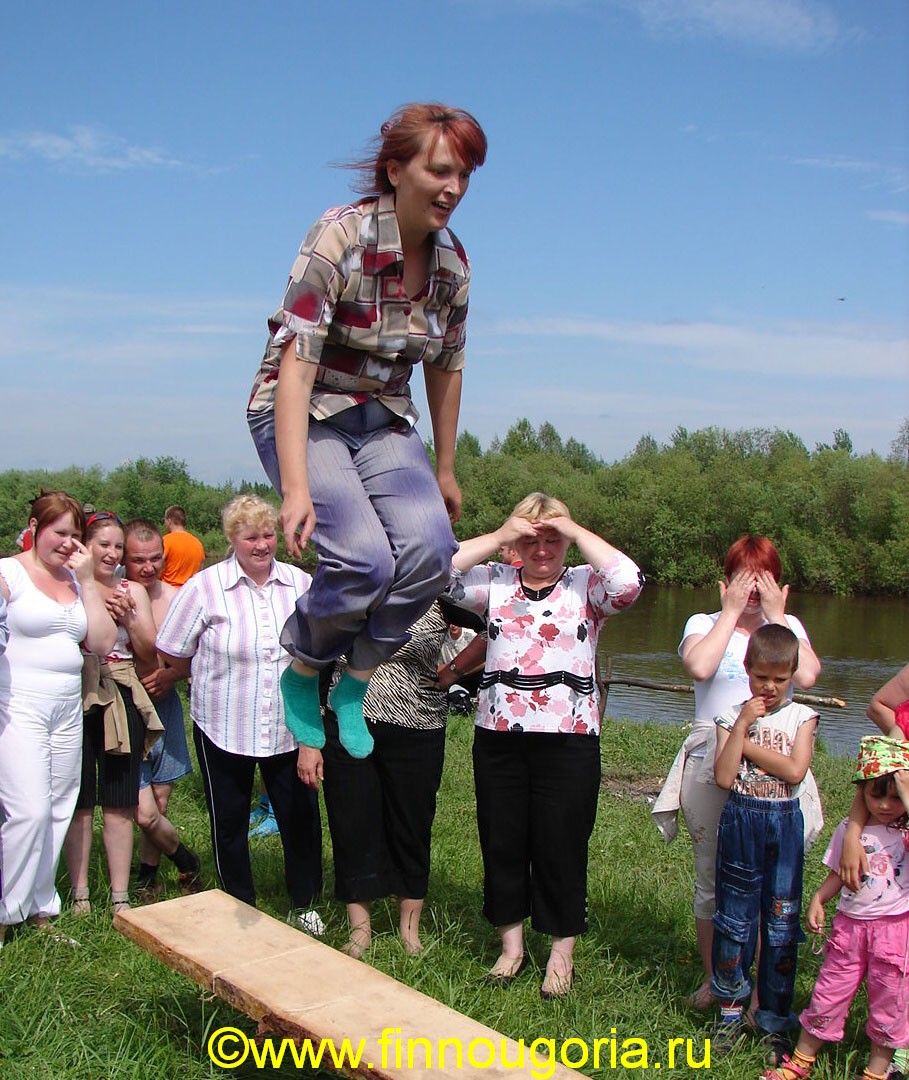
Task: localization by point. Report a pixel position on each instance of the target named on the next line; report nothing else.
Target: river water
(861, 641)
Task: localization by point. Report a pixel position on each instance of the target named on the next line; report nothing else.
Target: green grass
(107, 1011)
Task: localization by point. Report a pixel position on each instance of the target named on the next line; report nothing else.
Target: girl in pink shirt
(869, 938)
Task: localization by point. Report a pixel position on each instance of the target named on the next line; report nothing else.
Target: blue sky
(693, 212)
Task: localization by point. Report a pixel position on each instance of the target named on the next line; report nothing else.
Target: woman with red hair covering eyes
(713, 653)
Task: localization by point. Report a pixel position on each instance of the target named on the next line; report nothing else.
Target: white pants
(40, 774)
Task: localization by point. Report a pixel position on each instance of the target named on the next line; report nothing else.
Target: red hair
(51, 505)
(754, 553)
(402, 138)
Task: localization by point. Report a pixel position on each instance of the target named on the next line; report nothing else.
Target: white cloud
(110, 423)
(792, 25)
(875, 173)
(890, 217)
(83, 148)
(840, 350)
(789, 25)
(165, 375)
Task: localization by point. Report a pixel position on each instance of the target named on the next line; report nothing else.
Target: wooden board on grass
(295, 986)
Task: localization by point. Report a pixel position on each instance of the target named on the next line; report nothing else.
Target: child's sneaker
(258, 812)
(268, 826)
(727, 1032)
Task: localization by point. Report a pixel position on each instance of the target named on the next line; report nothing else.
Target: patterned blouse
(405, 689)
(540, 661)
(346, 304)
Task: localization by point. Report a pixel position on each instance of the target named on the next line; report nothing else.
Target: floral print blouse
(540, 660)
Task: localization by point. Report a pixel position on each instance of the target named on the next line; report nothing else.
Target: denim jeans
(382, 535)
(760, 852)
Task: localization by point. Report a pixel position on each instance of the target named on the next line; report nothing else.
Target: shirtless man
(169, 758)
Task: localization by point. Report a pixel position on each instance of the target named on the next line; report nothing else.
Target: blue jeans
(759, 858)
(382, 535)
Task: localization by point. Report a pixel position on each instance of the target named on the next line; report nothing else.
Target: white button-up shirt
(231, 628)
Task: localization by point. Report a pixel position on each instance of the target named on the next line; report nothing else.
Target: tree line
(840, 519)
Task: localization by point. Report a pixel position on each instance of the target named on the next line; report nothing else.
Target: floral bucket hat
(880, 755)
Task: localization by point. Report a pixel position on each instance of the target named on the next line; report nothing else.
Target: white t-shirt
(728, 686)
(775, 731)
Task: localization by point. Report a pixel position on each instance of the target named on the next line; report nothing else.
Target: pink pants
(876, 950)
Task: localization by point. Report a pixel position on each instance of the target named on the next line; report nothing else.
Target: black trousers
(536, 806)
(228, 781)
(380, 810)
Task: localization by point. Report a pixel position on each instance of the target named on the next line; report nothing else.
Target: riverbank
(861, 644)
(107, 1010)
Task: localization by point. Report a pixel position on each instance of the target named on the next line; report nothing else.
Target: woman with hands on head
(378, 287)
(713, 652)
(536, 750)
(54, 604)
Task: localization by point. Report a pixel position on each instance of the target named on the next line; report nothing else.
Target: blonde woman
(536, 749)
(223, 628)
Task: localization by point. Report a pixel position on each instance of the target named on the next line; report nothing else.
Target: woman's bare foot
(559, 977)
(506, 969)
(360, 936)
(358, 941)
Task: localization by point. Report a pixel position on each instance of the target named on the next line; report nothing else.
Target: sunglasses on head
(103, 515)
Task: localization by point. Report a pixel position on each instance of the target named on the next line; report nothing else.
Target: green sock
(347, 702)
(302, 711)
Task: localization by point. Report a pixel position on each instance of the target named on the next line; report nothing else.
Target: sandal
(81, 903)
(789, 1069)
(119, 901)
(358, 942)
(506, 977)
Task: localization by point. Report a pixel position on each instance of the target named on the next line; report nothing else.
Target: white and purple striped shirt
(231, 628)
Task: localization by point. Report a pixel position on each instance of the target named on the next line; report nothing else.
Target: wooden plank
(298, 987)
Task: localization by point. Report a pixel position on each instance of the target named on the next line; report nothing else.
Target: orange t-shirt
(183, 557)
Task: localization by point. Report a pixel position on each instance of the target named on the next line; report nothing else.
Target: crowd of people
(338, 680)
(94, 642)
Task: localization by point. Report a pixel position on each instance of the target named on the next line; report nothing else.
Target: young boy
(763, 752)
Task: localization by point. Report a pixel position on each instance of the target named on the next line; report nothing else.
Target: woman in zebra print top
(381, 808)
